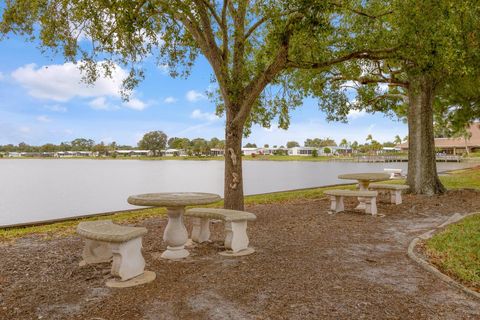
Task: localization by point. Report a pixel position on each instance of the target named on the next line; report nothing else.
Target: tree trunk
(233, 189)
(422, 166)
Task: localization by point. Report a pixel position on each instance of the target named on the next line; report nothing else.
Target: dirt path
(308, 265)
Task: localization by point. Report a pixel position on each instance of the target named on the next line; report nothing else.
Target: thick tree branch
(361, 54)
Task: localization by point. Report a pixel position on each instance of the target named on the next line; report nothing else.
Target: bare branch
(362, 54)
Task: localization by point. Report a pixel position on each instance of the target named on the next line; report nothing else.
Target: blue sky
(43, 101)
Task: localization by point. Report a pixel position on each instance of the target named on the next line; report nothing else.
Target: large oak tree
(252, 46)
(437, 58)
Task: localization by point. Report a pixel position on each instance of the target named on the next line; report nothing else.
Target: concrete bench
(336, 198)
(105, 240)
(395, 190)
(236, 238)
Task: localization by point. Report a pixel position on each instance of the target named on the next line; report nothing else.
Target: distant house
(270, 151)
(134, 153)
(14, 154)
(250, 151)
(301, 151)
(142, 153)
(216, 152)
(456, 145)
(174, 153)
(71, 154)
(390, 149)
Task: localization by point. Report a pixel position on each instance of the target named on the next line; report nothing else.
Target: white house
(14, 154)
(174, 153)
(70, 154)
(217, 152)
(301, 151)
(250, 151)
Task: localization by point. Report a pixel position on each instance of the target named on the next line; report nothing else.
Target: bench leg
(236, 238)
(337, 204)
(396, 196)
(96, 252)
(128, 261)
(201, 229)
(371, 205)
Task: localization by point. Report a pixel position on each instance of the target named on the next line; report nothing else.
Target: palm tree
(369, 138)
(397, 140)
(344, 144)
(354, 146)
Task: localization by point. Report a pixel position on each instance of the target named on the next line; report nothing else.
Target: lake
(36, 190)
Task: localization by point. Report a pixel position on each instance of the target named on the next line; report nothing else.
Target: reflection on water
(35, 190)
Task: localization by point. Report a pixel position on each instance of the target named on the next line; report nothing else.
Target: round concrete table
(175, 235)
(364, 179)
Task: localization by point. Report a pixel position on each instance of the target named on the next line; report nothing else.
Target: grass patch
(466, 178)
(456, 251)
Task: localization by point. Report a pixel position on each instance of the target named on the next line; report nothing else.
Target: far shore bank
(365, 158)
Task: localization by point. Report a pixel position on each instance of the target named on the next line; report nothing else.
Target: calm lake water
(36, 190)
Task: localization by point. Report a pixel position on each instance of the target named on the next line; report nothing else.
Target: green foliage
(291, 144)
(317, 142)
(154, 141)
(327, 150)
(315, 153)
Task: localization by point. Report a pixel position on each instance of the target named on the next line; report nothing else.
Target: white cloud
(164, 69)
(101, 103)
(63, 83)
(198, 114)
(194, 96)
(135, 104)
(354, 114)
(2, 76)
(170, 100)
(56, 108)
(43, 118)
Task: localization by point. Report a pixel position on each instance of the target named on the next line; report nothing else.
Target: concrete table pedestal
(175, 234)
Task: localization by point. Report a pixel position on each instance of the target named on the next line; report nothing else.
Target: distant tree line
(158, 140)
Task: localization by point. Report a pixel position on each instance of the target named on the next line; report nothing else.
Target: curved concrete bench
(394, 189)
(236, 238)
(337, 195)
(105, 240)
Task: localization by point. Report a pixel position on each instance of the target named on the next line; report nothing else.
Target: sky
(42, 100)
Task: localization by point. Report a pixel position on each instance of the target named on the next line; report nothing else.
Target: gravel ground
(308, 265)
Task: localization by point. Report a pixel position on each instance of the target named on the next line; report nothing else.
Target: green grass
(456, 251)
(474, 154)
(468, 178)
